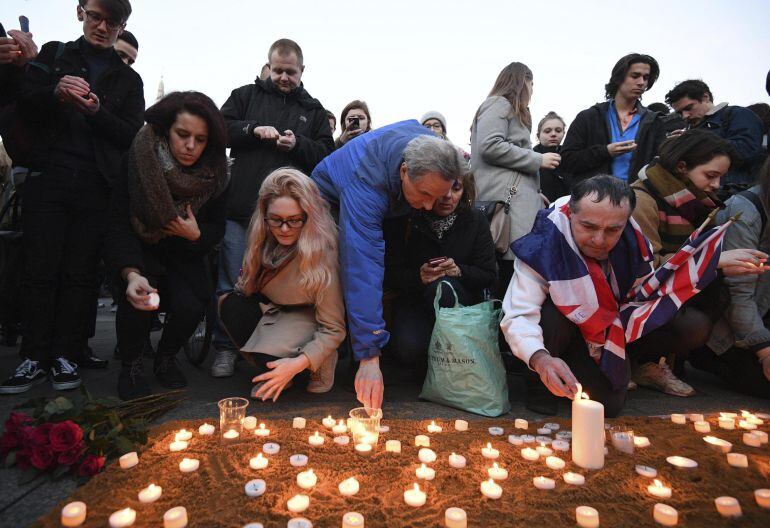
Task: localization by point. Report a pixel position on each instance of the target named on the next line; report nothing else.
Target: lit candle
(588, 431)
(461, 425)
(298, 503)
(425, 473)
(576, 479)
(393, 446)
(255, 488)
(659, 490)
(515, 440)
(175, 518)
(726, 422)
(520, 423)
(641, 441)
(647, 471)
(702, 427)
(298, 460)
(340, 428)
(367, 438)
(206, 429)
(457, 461)
(737, 460)
(154, 300)
(249, 423)
(762, 496)
(122, 518)
(665, 515)
(383, 428)
(231, 434)
(307, 479)
(530, 454)
(679, 419)
(415, 496)
(262, 431)
(258, 462)
(426, 455)
(316, 440)
(728, 415)
(150, 494)
(496, 431)
(497, 473)
(759, 435)
(554, 462)
(178, 445)
(433, 428)
(587, 517)
(298, 422)
(745, 424)
(754, 420)
(188, 465)
(490, 452)
(455, 518)
(352, 520)
(682, 462)
(543, 450)
(328, 422)
(491, 489)
(74, 514)
(544, 483)
(129, 460)
(422, 441)
(728, 507)
(363, 449)
(717, 444)
(183, 435)
(342, 440)
(349, 487)
(695, 417)
(560, 445)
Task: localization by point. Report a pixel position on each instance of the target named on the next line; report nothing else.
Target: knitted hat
(434, 115)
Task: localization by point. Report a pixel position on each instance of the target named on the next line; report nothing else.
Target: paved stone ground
(20, 505)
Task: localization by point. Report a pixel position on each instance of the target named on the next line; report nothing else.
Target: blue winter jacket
(362, 179)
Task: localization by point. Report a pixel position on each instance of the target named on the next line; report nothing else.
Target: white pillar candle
(425, 473)
(490, 452)
(727, 423)
(349, 487)
(307, 479)
(543, 431)
(491, 489)
(576, 479)
(543, 450)
(455, 518)
(249, 423)
(587, 431)
(560, 445)
(426, 455)
(415, 496)
(188, 465)
(433, 428)
(129, 460)
(728, 507)
(681, 462)
(457, 461)
(695, 417)
(363, 449)
(316, 440)
(255, 488)
(177, 445)
(328, 422)
(665, 515)
(702, 427)
(647, 471)
(352, 520)
(342, 440)
(393, 446)
(206, 429)
(122, 518)
(150, 494)
(461, 425)
(496, 431)
(515, 440)
(520, 423)
(298, 422)
(554, 462)
(74, 513)
(737, 460)
(717, 444)
(258, 462)
(175, 518)
(544, 483)
(422, 441)
(657, 489)
(762, 496)
(587, 517)
(262, 430)
(340, 428)
(298, 503)
(497, 473)
(231, 434)
(530, 454)
(641, 441)
(679, 419)
(298, 460)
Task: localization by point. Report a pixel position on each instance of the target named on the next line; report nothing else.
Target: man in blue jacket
(375, 176)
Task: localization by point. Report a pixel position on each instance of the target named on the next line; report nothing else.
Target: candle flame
(261, 426)
(433, 423)
(489, 445)
(454, 454)
(585, 396)
(658, 484)
(341, 422)
(416, 487)
(495, 465)
(329, 417)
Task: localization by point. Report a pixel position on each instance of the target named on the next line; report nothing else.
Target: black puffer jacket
(262, 104)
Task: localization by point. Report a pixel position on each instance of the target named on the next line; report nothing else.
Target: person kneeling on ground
(289, 288)
(167, 213)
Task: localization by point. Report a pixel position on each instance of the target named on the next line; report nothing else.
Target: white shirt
(523, 300)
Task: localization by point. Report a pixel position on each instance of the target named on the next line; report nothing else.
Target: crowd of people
(314, 246)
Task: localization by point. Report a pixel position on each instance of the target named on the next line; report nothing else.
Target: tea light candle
(426, 455)
(760, 435)
(554, 462)
(520, 423)
(422, 441)
(543, 450)
(576, 479)
(175, 518)
(262, 430)
(587, 517)
(129, 460)
(545, 440)
(368, 438)
(702, 427)
(249, 423)
(316, 440)
(255, 488)
(461, 425)
(588, 431)
(544, 483)
(206, 429)
(659, 490)
(150, 494)
(727, 423)
(528, 439)
(74, 514)
(543, 431)
(641, 441)
(496, 431)
(425, 473)
(754, 420)
(383, 428)
(682, 462)
(298, 422)
(271, 448)
(515, 440)
(552, 426)
(717, 444)
(665, 515)
(728, 507)
(122, 518)
(679, 419)
(153, 300)
(560, 445)
(328, 422)
(340, 428)
(393, 446)
(745, 424)
(349, 487)
(258, 462)
(342, 440)
(415, 496)
(298, 503)
(728, 415)
(491, 489)
(178, 445)
(530, 454)
(695, 417)
(646, 471)
(564, 435)
(231, 434)
(762, 496)
(188, 465)
(363, 449)
(298, 460)
(299, 522)
(352, 520)
(490, 452)
(307, 479)
(433, 428)
(737, 460)
(457, 461)
(455, 518)
(497, 473)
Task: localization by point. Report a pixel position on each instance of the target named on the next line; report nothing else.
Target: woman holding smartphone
(354, 121)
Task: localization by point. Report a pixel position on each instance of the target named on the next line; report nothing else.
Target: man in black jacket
(84, 106)
(619, 136)
(270, 124)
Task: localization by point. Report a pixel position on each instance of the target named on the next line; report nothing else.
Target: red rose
(69, 457)
(65, 435)
(22, 458)
(8, 442)
(15, 422)
(41, 458)
(91, 465)
(40, 435)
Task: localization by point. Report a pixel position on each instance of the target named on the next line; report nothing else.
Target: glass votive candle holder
(232, 411)
(622, 439)
(364, 425)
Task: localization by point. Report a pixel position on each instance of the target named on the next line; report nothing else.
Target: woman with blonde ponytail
(287, 313)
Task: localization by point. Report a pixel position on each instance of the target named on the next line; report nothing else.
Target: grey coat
(501, 157)
(742, 325)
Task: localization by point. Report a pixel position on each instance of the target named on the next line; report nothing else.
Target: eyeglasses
(96, 19)
(293, 223)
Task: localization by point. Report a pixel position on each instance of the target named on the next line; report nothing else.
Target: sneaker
(167, 372)
(322, 379)
(88, 360)
(131, 383)
(64, 374)
(27, 375)
(224, 363)
(659, 376)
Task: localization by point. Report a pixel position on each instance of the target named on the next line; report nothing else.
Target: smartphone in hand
(24, 23)
(436, 261)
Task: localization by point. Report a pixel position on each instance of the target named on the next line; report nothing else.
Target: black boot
(167, 372)
(131, 382)
(88, 360)
(539, 398)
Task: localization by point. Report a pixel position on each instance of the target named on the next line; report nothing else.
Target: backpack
(757, 203)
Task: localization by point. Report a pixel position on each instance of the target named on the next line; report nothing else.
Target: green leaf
(115, 431)
(63, 403)
(10, 460)
(123, 445)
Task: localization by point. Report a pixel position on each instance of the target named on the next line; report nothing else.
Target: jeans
(229, 269)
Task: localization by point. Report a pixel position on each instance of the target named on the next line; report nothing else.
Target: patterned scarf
(440, 224)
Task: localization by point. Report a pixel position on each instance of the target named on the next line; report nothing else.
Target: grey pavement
(20, 505)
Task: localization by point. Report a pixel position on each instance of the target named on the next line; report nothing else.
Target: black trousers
(562, 338)
(738, 368)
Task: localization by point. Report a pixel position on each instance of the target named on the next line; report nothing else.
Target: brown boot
(322, 379)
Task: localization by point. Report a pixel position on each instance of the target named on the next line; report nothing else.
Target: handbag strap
(438, 295)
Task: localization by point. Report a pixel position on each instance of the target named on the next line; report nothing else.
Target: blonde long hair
(511, 83)
(317, 243)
